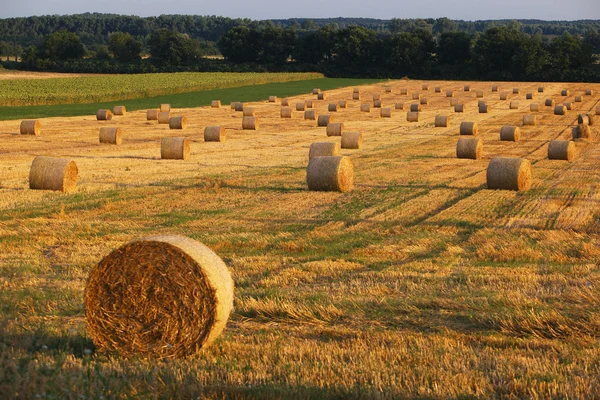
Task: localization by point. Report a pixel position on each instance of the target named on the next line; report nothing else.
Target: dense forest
(357, 47)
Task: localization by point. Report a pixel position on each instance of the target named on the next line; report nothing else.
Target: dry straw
(442, 121)
(159, 297)
(232, 105)
(174, 148)
(351, 140)
(51, 173)
(509, 174)
(495, 88)
(449, 93)
(416, 96)
(239, 106)
(215, 134)
(323, 149)
(425, 87)
(321, 96)
(399, 106)
(582, 132)
(515, 90)
(469, 128)
(404, 91)
(459, 108)
(216, 104)
(470, 148)
(285, 112)
(415, 107)
(503, 96)
(585, 119)
(534, 107)
(324, 119)
(376, 97)
(164, 117)
(30, 127)
(333, 107)
(560, 109)
(250, 123)
(309, 103)
(343, 103)
(385, 112)
(388, 89)
(104, 115)
(424, 101)
(285, 102)
(355, 90)
(300, 106)
(119, 110)
(578, 99)
(486, 108)
(272, 99)
(549, 103)
(165, 107)
(589, 92)
(564, 92)
(152, 115)
(481, 103)
(355, 96)
(529, 120)
(467, 88)
(561, 150)
(335, 129)
(311, 114)
(510, 134)
(330, 173)
(179, 122)
(541, 89)
(597, 110)
(365, 107)
(453, 102)
(412, 116)
(111, 135)
(437, 89)
(479, 93)
(568, 105)
(248, 111)
(376, 103)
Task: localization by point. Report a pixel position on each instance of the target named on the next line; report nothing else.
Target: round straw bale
(248, 111)
(510, 133)
(597, 110)
(286, 112)
(582, 132)
(459, 108)
(578, 99)
(568, 105)
(355, 96)
(330, 173)
(561, 150)
(104, 115)
(416, 96)
(179, 122)
(351, 140)
(442, 121)
(388, 89)
(479, 93)
(529, 120)
(509, 174)
(453, 102)
(404, 91)
(174, 148)
(365, 107)
(424, 101)
(111, 135)
(343, 103)
(549, 102)
(250, 123)
(469, 128)
(30, 127)
(467, 88)
(355, 90)
(333, 107)
(152, 115)
(160, 297)
(481, 103)
(232, 105)
(541, 89)
(503, 96)
(449, 93)
(376, 103)
(239, 106)
(534, 107)
(51, 173)
(311, 114)
(214, 134)
(215, 104)
(309, 103)
(165, 107)
(564, 92)
(324, 119)
(376, 97)
(399, 106)
(529, 96)
(559, 109)
(515, 90)
(585, 119)
(316, 91)
(485, 108)
(589, 92)
(285, 102)
(469, 148)
(119, 110)
(272, 99)
(323, 149)
(425, 86)
(300, 106)
(412, 116)
(494, 88)
(415, 107)
(164, 117)
(335, 128)
(437, 89)
(385, 112)
(321, 96)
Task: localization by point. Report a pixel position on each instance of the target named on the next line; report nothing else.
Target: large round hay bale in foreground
(529, 120)
(323, 149)
(509, 174)
(111, 135)
(104, 115)
(165, 107)
(214, 134)
(330, 173)
(385, 112)
(311, 114)
(174, 148)
(560, 109)
(351, 140)
(152, 115)
(30, 127)
(324, 119)
(412, 116)
(285, 112)
(561, 150)
(469, 148)
(442, 121)
(159, 297)
(164, 117)
(469, 128)
(510, 134)
(179, 122)
(582, 132)
(335, 128)
(119, 110)
(51, 173)
(215, 104)
(250, 123)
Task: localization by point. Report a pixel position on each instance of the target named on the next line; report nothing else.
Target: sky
(282, 9)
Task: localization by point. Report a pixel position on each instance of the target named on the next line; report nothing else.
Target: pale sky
(281, 9)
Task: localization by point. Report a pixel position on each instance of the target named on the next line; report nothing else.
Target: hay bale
(250, 123)
(467, 88)
(449, 93)
(534, 107)
(510, 133)
(509, 174)
(412, 116)
(333, 107)
(561, 150)
(179, 122)
(104, 115)
(285, 102)
(529, 120)
(159, 297)
(215, 134)
(335, 128)
(470, 148)
(152, 115)
(403, 91)
(442, 121)
(232, 105)
(582, 132)
(300, 106)
(365, 107)
(459, 108)
(549, 103)
(51, 173)
(285, 112)
(239, 106)
(589, 92)
(316, 91)
(495, 88)
(272, 99)
(215, 104)
(469, 128)
(424, 101)
(111, 135)
(311, 114)
(597, 110)
(321, 96)
(568, 105)
(355, 96)
(30, 127)
(388, 89)
(529, 96)
(174, 148)
(324, 119)
(453, 102)
(343, 103)
(323, 149)
(376, 97)
(399, 106)
(330, 173)
(437, 89)
(119, 110)
(165, 108)
(355, 90)
(351, 140)
(560, 109)
(564, 92)
(386, 112)
(515, 90)
(541, 89)
(578, 99)
(481, 103)
(425, 86)
(248, 111)
(503, 96)
(377, 104)
(479, 93)
(310, 103)
(585, 119)
(416, 96)
(164, 117)
(485, 108)
(415, 107)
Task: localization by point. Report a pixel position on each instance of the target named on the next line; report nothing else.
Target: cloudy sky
(273, 9)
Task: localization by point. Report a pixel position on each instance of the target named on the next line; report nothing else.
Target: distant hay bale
(424, 101)
(119, 110)
(248, 111)
(215, 104)
(503, 96)
(335, 128)
(459, 108)
(330, 173)
(453, 102)
(437, 89)
(316, 91)
(310, 103)
(534, 107)
(561, 150)
(469, 128)
(582, 132)
(321, 96)
(388, 89)
(158, 297)
(479, 93)
(516, 90)
(494, 88)
(365, 107)
(272, 99)
(585, 119)
(250, 123)
(442, 121)
(324, 119)
(355, 96)
(333, 107)
(425, 86)
(174, 148)
(415, 107)
(111, 135)
(416, 96)
(412, 116)
(509, 174)
(386, 112)
(285, 102)
(484, 109)
(51, 173)
(467, 88)
(311, 114)
(165, 108)
(376, 97)
(355, 90)
(152, 115)
(560, 109)
(449, 93)
(104, 115)
(578, 99)
(514, 105)
(215, 134)
(351, 140)
(529, 96)
(239, 106)
(376, 103)
(481, 103)
(300, 106)
(549, 103)
(323, 149)
(403, 91)
(568, 105)
(285, 112)
(470, 148)
(510, 133)
(564, 92)
(179, 122)
(589, 92)
(399, 106)
(164, 117)
(598, 110)
(30, 127)
(529, 120)
(343, 103)
(232, 105)
(541, 89)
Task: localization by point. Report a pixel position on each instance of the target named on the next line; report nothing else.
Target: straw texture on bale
(582, 132)
(285, 102)
(160, 297)
(30, 127)
(425, 86)
(386, 112)
(179, 122)
(561, 150)
(479, 93)
(321, 96)
(509, 174)
(549, 102)
(300, 106)
(486, 108)
(585, 119)
(119, 110)
(529, 120)
(564, 92)
(215, 134)
(449, 93)
(323, 149)
(442, 121)
(104, 115)
(165, 107)
(215, 104)
(404, 91)
(365, 107)
(469, 128)
(376, 103)
(589, 92)
(388, 89)
(578, 99)
(311, 114)
(152, 115)
(437, 89)
(174, 148)
(541, 89)
(459, 108)
(399, 106)
(510, 134)
(412, 116)
(416, 96)
(415, 107)
(424, 101)
(351, 140)
(324, 119)
(239, 106)
(111, 135)
(333, 107)
(248, 112)
(342, 103)
(164, 117)
(51, 173)
(469, 148)
(335, 128)
(250, 123)
(272, 99)
(355, 96)
(467, 88)
(560, 109)
(286, 112)
(534, 107)
(494, 88)
(330, 173)
(503, 96)
(316, 91)
(515, 90)
(376, 97)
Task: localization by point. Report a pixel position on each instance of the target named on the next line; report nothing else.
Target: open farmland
(420, 282)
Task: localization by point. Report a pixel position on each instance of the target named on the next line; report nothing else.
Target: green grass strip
(186, 100)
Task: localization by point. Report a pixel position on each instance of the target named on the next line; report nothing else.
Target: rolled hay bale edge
(509, 174)
(351, 140)
(174, 148)
(30, 127)
(561, 150)
(215, 134)
(510, 133)
(111, 135)
(51, 173)
(179, 122)
(104, 115)
(119, 110)
(470, 148)
(323, 149)
(469, 128)
(330, 173)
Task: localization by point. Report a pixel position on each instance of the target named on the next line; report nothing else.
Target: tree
(172, 48)
(410, 52)
(444, 25)
(454, 48)
(569, 52)
(124, 47)
(239, 45)
(62, 45)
